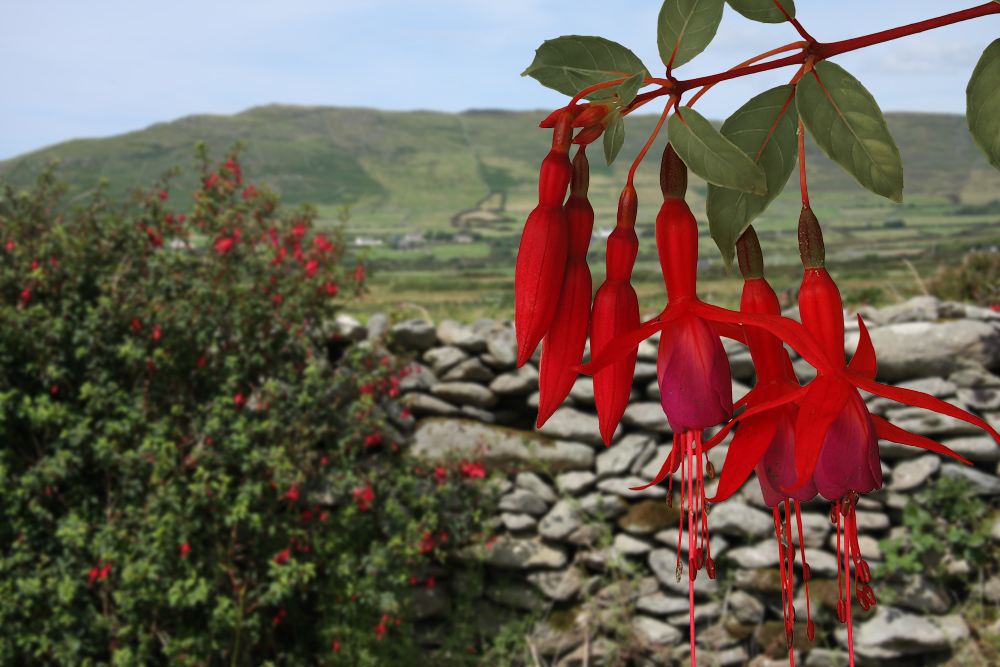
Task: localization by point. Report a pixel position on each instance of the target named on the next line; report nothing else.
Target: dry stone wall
(596, 561)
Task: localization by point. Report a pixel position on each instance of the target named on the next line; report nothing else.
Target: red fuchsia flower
(473, 470)
(380, 628)
(364, 496)
(440, 474)
(564, 342)
(157, 333)
(283, 556)
(239, 401)
(185, 550)
(312, 266)
(25, 295)
(292, 494)
(163, 195)
(222, 246)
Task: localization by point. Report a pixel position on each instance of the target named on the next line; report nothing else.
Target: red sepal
(863, 362)
(888, 431)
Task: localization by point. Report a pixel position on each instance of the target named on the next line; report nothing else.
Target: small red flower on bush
(185, 550)
(365, 496)
(282, 558)
(472, 470)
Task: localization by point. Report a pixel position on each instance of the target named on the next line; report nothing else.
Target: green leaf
(764, 11)
(685, 27)
(982, 104)
(628, 90)
(765, 129)
(614, 136)
(845, 121)
(710, 155)
(571, 63)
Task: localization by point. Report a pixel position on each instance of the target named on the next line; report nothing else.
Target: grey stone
(741, 366)
(647, 351)
(501, 347)
(926, 422)
(627, 545)
(604, 506)
(561, 521)
(452, 333)
(535, 484)
(622, 486)
(821, 563)
(822, 657)
(522, 500)
(417, 377)
(652, 468)
(729, 657)
(734, 518)
(516, 522)
(980, 398)
(760, 555)
(739, 390)
(894, 451)
(872, 522)
(815, 528)
(345, 328)
(659, 604)
(618, 459)
(934, 386)
(995, 531)
(416, 334)
(443, 358)
(708, 611)
(478, 414)
(465, 393)
(917, 309)
(892, 634)
(598, 654)
(431, 602)
(587, 535)
(983, 484)
(439, 439)
(470, 370)
(515, 594)
(558, 585)
(870, 549)
(515, 553)
(377, 325)
(981, 449)
(746, 608)
(974, 378)
(644, 372)
(576, 482)
(517, 383)
(650, 630)
(646, 416)
(803, 371)
(423, 405)
(652, 392)
(570, 424)
(913, 473)
(954, 627)
(644, 457)
(717, 544)
(583, 390)
(663, 562)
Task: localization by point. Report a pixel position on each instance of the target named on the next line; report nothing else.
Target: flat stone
(870, 549)
(717, 544)
(872, 522)
(587, 535)
(822, 657)
(517, 553)
(501, 347)
(644, 372)
(423, 405)
(646, 416)
(440, 439)
(913, 473)
(515, 521)
(345, 328)
(746, 608)
(431, 602)
(622, 486)
(652, 392)
(741, 366)
(928, 423)
(465, 393)
(568, 423)
(920, 594)
(937, 387)
(981, 449)
(517, 383)
(598, 654)
(815, 528)
(652, 468)
(602, 505)
(377, 326)
(759, 581)
(803, 371)
(535, 484)
(659, 604)
(983, 484)
(522, 500)
(760, 555)
(583, 390)
(995, 531)
(515, 594)
(441, 359)
(417, 377)
(739, 390)
(734, 518)
(452, 333)
(618, 459)
(558, 585)
(561, 521)
(954, 627)
(980, 398)
(917, 309)
(894, 451)
(653, 631)
(416, 334)
(663, 562)
(627, 545)
(470, 370)
(647, 517)
(893, 633)
(478, 414)
(645, 456)
(708, 611)
(647, 351)
(576, 482)
(821, 563)
(974, 378)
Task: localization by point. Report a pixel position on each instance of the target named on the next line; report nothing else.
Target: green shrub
(192, 471)
(977, 280)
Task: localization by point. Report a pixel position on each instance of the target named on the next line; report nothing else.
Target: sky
(93, 69)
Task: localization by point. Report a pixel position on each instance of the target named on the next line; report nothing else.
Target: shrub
(194, 470)
(977, 280)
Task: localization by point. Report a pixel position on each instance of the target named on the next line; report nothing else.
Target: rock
(515, 594)
(377, 325)
(741, 366)
(652, 391)
(516, 553)
(917, 309)
(443, 358)
(734, 518)
(618, 459)
(913, 473)
(648, 517)
(815, 528)
(587, 535)
(627, 545)
(345, 328)
(652, 631)
(423, 405)
(702, 612)
(604, 506)
(652, 468)
(994, 531)
(478, 414)
(576, 482)
(739, 390)
(558, 585)
(416, 334)
(644, 372)
(622, 486)
(981, 449)
(452, 333)
(870, 549)
(821, 563)
(980, 398)
(583, 390)
(438, 439)
(597, 655)
(659, 604)
(501, 347)
(892, 634)
(431, 602)
(954, 627)
(647, 416)
(517, 383)
(470, 370)
(663, 562)
(759, 581)
(516, 522)
(803, 371)
(717, 544)
(570, 424)
(417, 377)
(983, 484)
(644, 458)
(561, 521)
(918, 593)
(821, 657)
(926, 422)
(919, 349)
(974, 378)
(871, 522)
(745, 608)
(646, 351)
(465, 393)
(535, 484)
(522, 500)
(934, 386)
(893, 451)
(760, 555)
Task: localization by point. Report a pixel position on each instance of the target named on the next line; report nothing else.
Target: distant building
(461, 238)
(366, 241)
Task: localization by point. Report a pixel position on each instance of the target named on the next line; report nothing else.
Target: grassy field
(473, 174)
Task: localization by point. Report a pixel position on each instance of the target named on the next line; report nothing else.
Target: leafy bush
(977, 280)
(195, 471)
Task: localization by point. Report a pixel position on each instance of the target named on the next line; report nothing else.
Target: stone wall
(596, 561)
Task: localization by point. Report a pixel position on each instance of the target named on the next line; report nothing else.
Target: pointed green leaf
(685, 28)
(571, 63)
(764, 11)
(628, 90)
(982, 100)
(765, 129)
(710, 155)
(614, 136)
(845, 121)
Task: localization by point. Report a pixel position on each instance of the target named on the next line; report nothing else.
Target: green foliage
(982, 104)
(712, 156)
(846, 122)
(945, 519)
(764, 129)
(571, 63)
(194, 470)
(764, 11)
(976, 279)
(685, 28)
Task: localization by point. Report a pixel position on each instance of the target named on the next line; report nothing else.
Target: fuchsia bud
(563, 345)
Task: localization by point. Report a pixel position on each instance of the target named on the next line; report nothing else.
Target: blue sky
(91, 69)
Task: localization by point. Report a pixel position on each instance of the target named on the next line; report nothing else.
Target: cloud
(930, 55)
